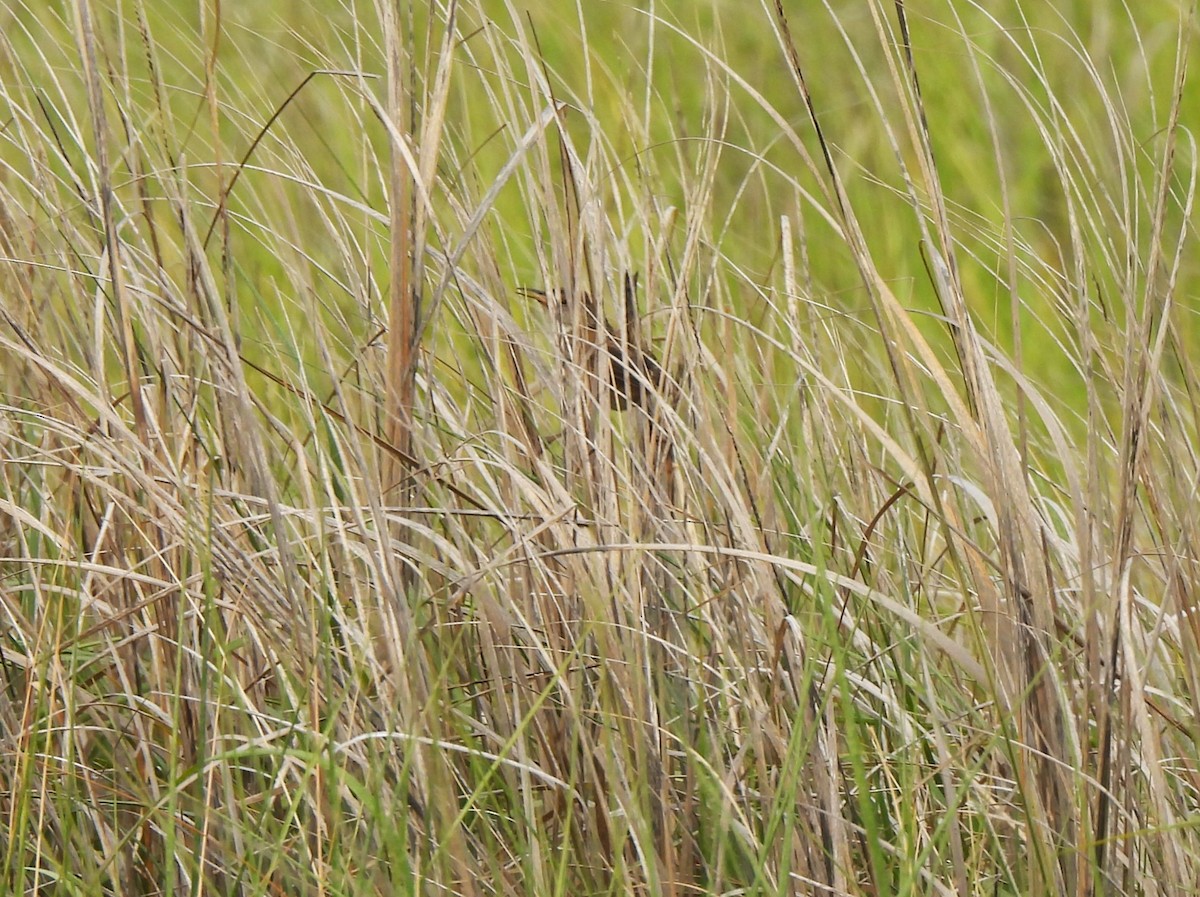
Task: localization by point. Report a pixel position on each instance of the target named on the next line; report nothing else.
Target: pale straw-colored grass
(333, 564)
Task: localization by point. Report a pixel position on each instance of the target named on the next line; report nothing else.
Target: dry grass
(849, 548)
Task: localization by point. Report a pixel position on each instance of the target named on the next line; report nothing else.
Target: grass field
(653, 448)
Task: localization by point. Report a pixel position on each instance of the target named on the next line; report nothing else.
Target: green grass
(331, 563)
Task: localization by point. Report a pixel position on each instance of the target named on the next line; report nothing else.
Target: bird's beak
(534, 293)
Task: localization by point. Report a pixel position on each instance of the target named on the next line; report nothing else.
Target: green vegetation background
(825, 641)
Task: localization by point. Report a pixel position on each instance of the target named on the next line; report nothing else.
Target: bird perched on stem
(628, 381)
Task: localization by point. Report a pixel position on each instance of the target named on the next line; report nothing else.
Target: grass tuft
(658, 450)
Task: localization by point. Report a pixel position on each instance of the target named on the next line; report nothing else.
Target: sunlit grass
(827, 528)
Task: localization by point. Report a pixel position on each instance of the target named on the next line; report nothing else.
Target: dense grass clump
(660, 449)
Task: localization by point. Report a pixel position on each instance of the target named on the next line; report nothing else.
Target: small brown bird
(625, 388)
